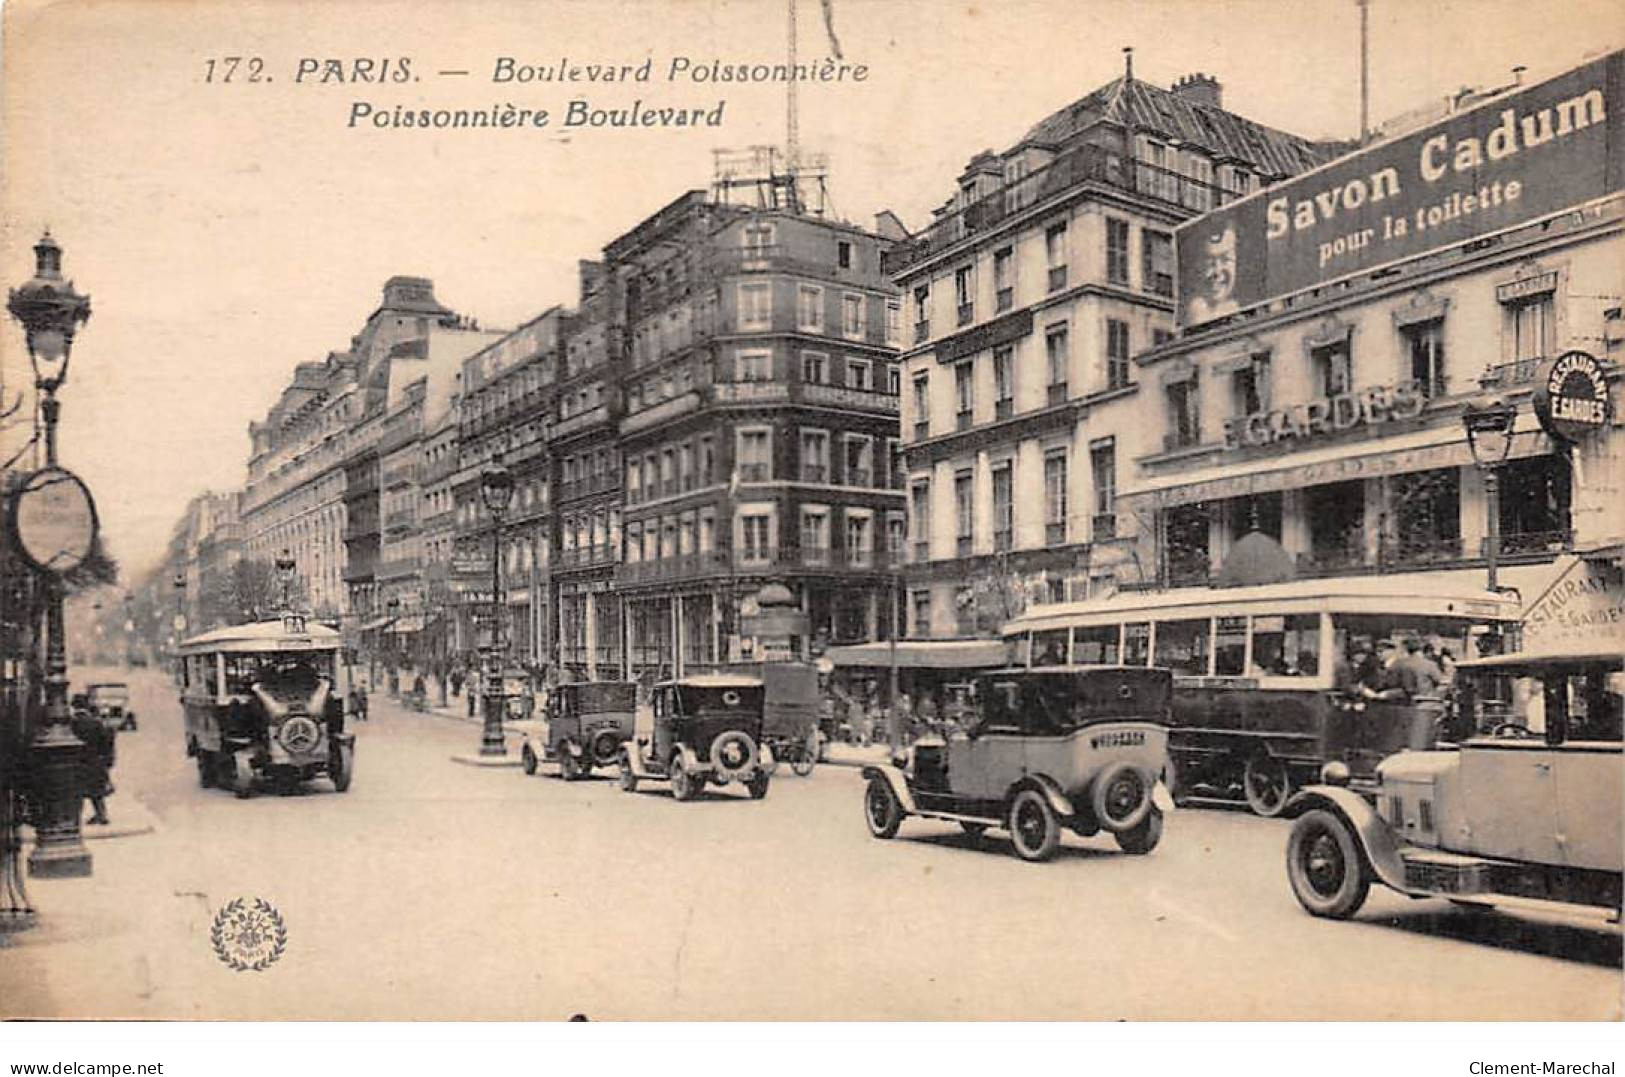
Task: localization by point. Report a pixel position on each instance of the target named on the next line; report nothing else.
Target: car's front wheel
(341, 768)
(628, 777)
(205, 768)
(1325, 866)
(569, 766)
(527, 757)
(684, 785)
(757, 786)
(1034, 829)
(1141, 839)
(881, 808)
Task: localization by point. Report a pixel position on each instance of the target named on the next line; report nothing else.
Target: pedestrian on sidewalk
(95, 761)
(358, 701)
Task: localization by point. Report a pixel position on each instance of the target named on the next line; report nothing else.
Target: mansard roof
(1141, 106)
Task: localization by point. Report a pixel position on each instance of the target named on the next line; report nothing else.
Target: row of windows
(755, 311)
(1057, 523)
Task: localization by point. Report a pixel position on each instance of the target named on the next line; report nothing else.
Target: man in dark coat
(95, 761)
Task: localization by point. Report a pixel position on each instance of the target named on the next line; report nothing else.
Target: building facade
(760, 436)
(1025, 302)
(1323, 405)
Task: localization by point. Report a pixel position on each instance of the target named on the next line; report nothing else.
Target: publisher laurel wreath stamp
(249, 935)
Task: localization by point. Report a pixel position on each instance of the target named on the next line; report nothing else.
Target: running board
(956, 817)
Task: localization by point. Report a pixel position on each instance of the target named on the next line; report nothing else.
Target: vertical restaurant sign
(1511, 160)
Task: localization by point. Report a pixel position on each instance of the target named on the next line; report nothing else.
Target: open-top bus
(1255, 669)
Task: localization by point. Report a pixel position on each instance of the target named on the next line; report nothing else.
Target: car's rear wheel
(1142, 838)
(684, 785)
(205, 768)
(881, 808)
(628, 778)
(1034, 830)
(569, 768)
(1266, 784)
(527, 758)
(1121, 797)
(806, 756)
(1325, 866)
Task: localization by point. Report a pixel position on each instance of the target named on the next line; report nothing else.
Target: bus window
(1095, 645)
(1230, 647)
(1049, 647)
(1286, 646)
(1182, 646)
(1136, 643)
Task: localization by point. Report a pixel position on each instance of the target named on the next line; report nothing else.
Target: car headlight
(1335, 773)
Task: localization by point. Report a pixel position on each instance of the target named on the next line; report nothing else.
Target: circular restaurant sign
(54, 520)
(1571, 396)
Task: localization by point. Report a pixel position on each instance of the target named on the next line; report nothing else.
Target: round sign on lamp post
(54, 521)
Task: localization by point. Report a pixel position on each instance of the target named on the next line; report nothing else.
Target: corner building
(1025, 301)
(1319, 399)
(759, 437)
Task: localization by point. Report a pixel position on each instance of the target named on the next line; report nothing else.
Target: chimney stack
(1128, 61)
(1200, 89)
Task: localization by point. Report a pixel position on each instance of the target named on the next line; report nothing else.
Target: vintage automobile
(584, 727)
(1526, 804)
(1080, 749)
(261, 704)
(790, 714)
(707, 728)
(110, 702)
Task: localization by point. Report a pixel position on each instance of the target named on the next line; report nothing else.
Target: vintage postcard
(840, 510)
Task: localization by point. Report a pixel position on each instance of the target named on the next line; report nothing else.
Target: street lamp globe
(496, 486)
(1489, 431)
(50, 312)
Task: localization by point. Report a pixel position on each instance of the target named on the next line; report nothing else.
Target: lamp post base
(59, 848)
(492, 743)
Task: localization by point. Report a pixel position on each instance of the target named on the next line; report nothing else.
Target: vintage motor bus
(1255, 668)
(262, 702)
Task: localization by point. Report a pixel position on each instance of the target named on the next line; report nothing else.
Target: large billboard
(1511, 160)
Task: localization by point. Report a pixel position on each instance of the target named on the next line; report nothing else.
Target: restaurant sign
(1571, 396)
(1583, 609)
(1328, 415)
(1512, 160)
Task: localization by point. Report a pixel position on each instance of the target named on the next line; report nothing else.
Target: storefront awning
(375, 624)
(412, 622)
(1421, 450)
(925, 654)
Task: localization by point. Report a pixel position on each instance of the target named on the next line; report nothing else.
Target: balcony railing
(962, 420)
(922, 551)
(1083, 164)
(1103, 526)
(846, 397)
(922, 331)
(963, 546)
(1055, 534)
(1002, 540)
(1517, 372)
(1056, 393)
(575, 423)
(1057, 278)
(814, 473)
(1004, 298)
(859, 476)
(922, 429)
(1531, 542)
(967, 313)
(1003, 409)
(586, 556)
(755, 472)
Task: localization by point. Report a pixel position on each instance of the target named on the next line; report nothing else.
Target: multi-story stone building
(1025, 300)
(587, 480)
(294, 496)
(1317, 391)
(505, 411)
(760, 427)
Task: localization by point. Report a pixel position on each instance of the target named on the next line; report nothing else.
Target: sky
(227, 231)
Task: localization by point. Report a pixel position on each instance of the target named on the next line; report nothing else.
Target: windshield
(292, 668)
(1563, 702)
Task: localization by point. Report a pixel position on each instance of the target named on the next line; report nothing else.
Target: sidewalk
(841, 754)
(129, 817)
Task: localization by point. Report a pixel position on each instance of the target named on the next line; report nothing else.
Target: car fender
(691, 762)
(896, 779)
(632, 755)
(1376, 840)
(1050, 788)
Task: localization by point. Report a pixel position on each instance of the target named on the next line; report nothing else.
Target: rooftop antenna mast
(792, 125)
(1365, 68)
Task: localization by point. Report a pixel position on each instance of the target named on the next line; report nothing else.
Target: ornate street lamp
(50, 312)
(496, 491)
(285, 566)
(1489, 436)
